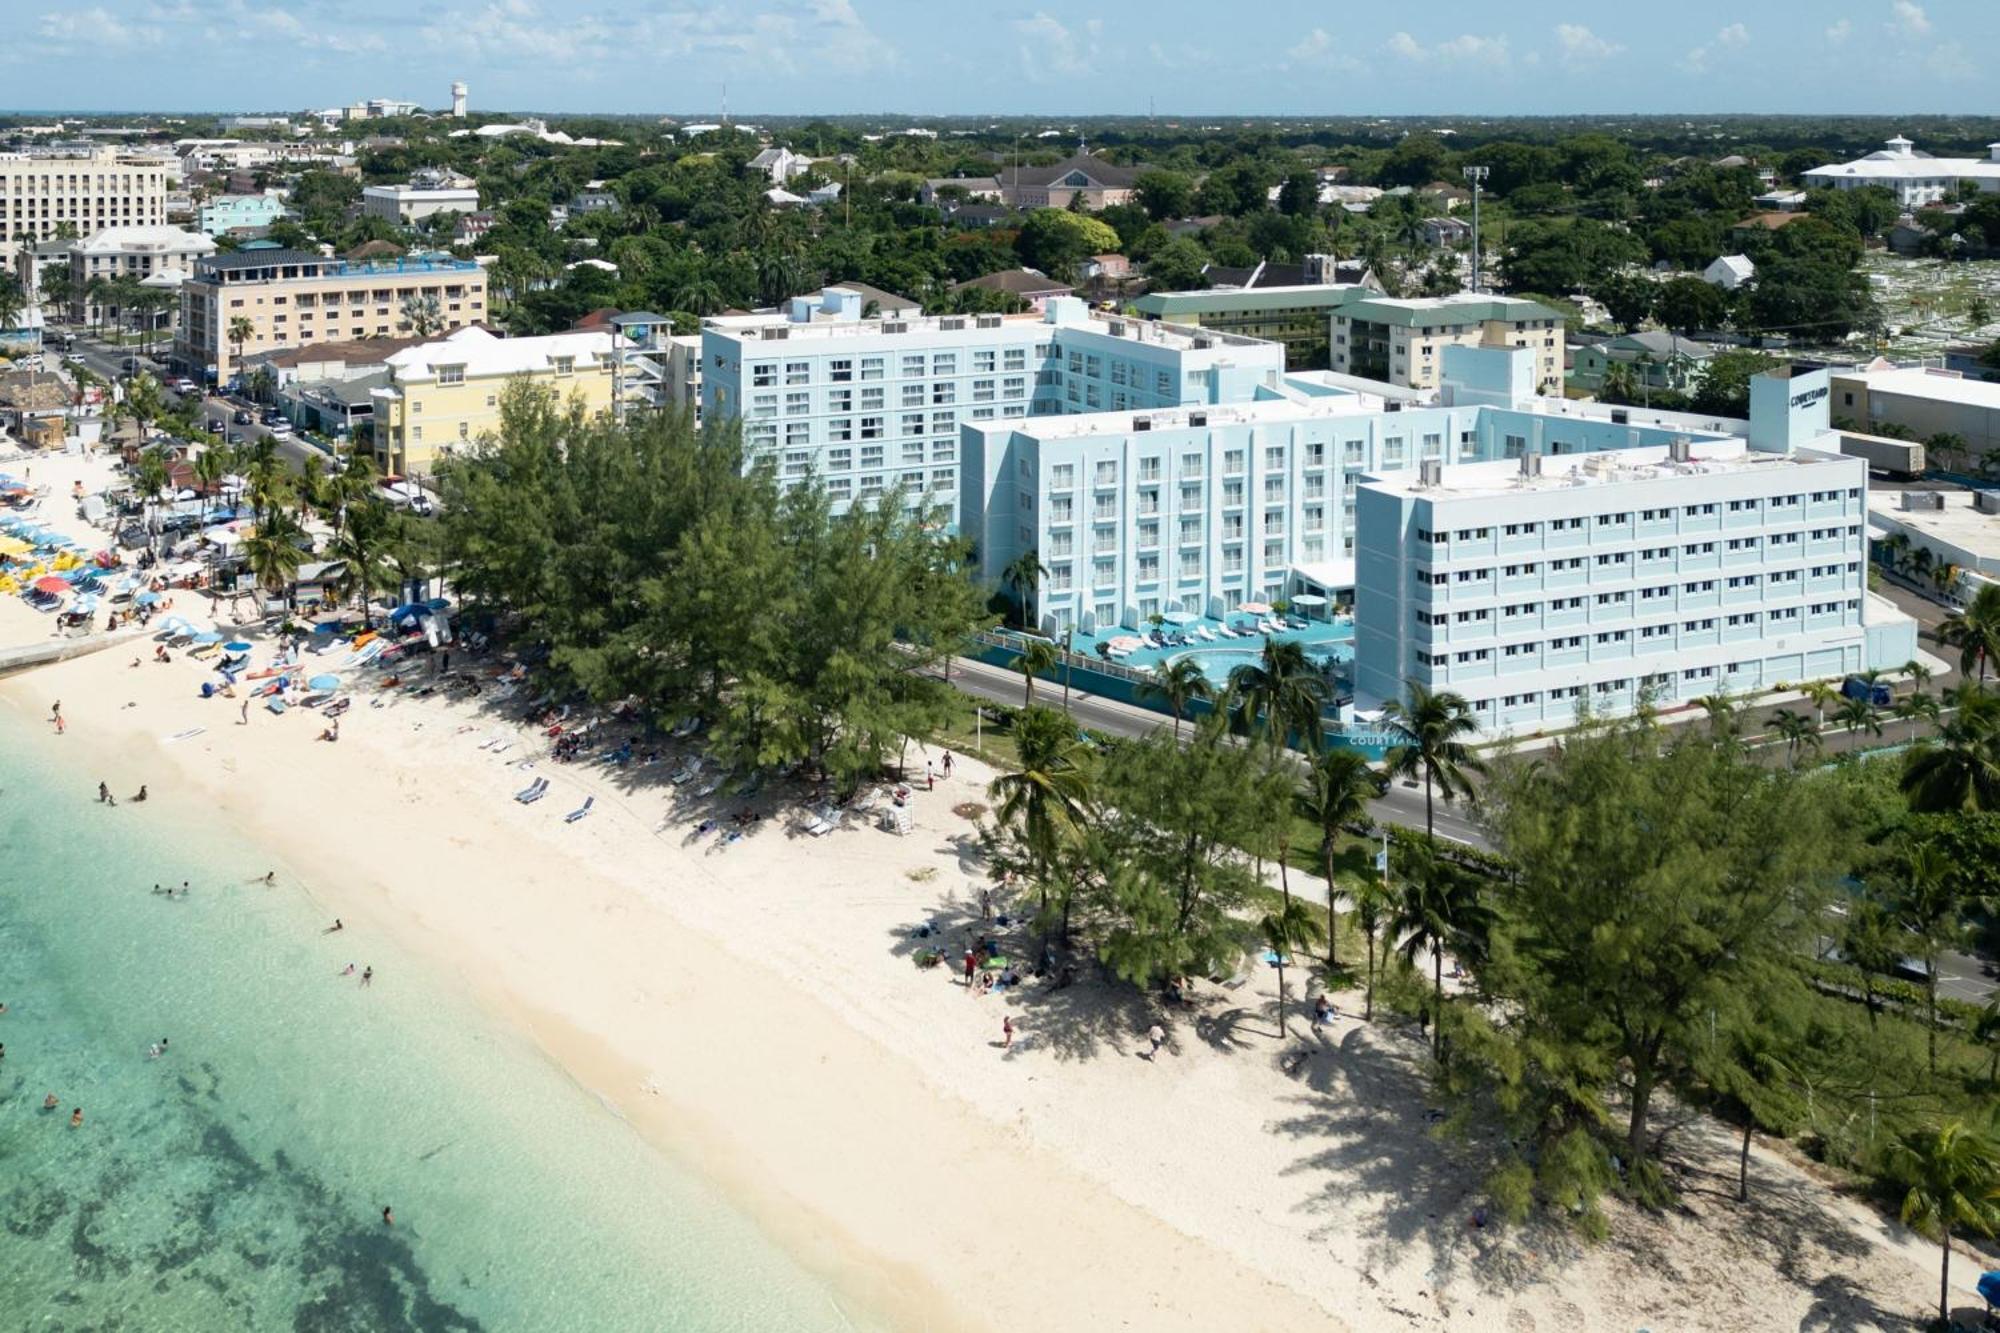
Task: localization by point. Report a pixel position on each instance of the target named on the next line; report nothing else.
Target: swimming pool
(1217, 663)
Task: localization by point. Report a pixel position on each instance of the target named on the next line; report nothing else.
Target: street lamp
(1477, 176)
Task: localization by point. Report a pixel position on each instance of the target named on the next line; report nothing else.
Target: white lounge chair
(580, 811)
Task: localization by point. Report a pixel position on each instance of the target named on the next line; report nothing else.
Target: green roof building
(1294, 316)
(1401, 340)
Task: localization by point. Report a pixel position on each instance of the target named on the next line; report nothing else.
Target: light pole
(1069, 646)
(1476, 175)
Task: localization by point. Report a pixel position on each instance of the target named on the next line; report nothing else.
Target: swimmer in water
(49, 1103)
(347, 971)
(368, 974)
(388, 1217)
(76, 1118)
(335, 926)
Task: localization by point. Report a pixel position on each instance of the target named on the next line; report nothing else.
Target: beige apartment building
(89, 190)
(292, 299)
(1402, 340)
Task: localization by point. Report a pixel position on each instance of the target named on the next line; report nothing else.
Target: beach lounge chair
(580, 811)
(821, 823)
(533, 792)
(710, 787)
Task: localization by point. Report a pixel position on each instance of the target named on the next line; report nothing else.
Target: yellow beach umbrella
(14, 546)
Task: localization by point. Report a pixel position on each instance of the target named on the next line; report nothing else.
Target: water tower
(458, 99)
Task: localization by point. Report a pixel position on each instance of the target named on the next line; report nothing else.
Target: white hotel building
(865, 404)
(1709, 566)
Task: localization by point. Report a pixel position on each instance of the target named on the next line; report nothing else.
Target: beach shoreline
(752, 1009)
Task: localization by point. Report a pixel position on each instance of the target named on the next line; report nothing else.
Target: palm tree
(1177, 684)
(1975, 631)
(1926, 906)
(1858, 715)
(13, 300)
(423, 314)
(1958, 768)
(1437, 909)
(1280, 695)
(1918, 704)
(1339, 784)
(1721, 710)
(362, 546)
(274, 554)
(1952, 1173)
(1285, 928)
(1821, 694)
(1797, 731)
(1047, 800)
(1371, 900)
(239, 331)
(1037, 658)
(1024, 575)
(1919, 674)
(152, 479)
(1433, 727)
(698, 295)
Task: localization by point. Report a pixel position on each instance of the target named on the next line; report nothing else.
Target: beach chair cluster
(539, 788)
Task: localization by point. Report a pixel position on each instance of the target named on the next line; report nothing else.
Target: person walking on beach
(271, 877)
(947, 763)
(1007, 1032)
(103, 793)
(243, 718)
(1157, 1037)
(55, 716)
(335, 926)
(971, 963)
(142, 793)
(368, 975)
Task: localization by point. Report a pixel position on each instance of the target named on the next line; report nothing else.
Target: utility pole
(1476, 175)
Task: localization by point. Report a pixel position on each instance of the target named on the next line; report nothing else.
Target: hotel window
(944, 479)
(840, 400)
(913, 451)
(871, 428)
(1103, 573)
(944, 363)
(839, 489)
(840, 428)
(1092, 396)
(1149, 568)
(1232, 493)
(1062, 476)
(1107, 473)
(913, 423)
(565, 365)
(1164, 382)
(796, 432)
(1190, 564)
(1093, 366)
(943, 422)
(1015, 388)
(1190, 497)
(1233, 460)
(913, 364)
(871, 367)
(913, 395)
(1016, 359)
(1274, 488)
(1191, 465)
(1149, 469)
(451, 374)
(1392, 451)
(871, 398)
(871, 455)
(982, 391)
(982, 361)
(944, 392)
(1190, 530)
(763, 405)
(841, 371)
(798, 372)
(1315, 517)
(1149, 535)
(764, 374)
(1274, 456)
(1118, 373)
(1274, 521)
(1060, 509)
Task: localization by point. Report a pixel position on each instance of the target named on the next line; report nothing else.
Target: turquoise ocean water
(238, 1181)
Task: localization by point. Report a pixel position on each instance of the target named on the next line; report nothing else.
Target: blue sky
(1046, 56)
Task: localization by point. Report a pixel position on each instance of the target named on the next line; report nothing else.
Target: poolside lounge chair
(1204, 632)
(533, 792)
(580, 811)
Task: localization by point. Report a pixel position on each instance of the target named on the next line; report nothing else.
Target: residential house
(970, 189)
(1033, 286)
(1914, 177)
(227, 213)
(781, 165)
(1657, 359)
(472, 227)
(1730, 272)
(130, 252)
(427, 194)
(1445, 231)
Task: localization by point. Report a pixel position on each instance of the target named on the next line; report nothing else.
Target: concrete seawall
(28, 656)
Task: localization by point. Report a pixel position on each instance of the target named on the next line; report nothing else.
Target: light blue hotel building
(1550, 580)
(866, 404)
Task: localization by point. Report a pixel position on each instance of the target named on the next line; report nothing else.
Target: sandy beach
(752, 1009)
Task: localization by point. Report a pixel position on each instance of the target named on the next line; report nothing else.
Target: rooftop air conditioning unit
(1986, 502)
(895, 326)
(1142, 423)
(1197, 418)
(1202, 341)
(952, 323)
(1430, 472)
(1917, 500)
(1679, 449)
(776, 332)
(1531, 464)
(1619, 416)
(988, 322)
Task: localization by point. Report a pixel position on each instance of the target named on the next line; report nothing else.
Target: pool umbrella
(1179, 617)
(323, 683)
(1254, 608)
(51, 583)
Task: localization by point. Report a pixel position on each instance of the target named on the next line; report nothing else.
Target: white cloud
(1580, 46)
(95, 27)
(1731, 38)
(1840, 31)
(1319, 49)
(1312, 46)
(517, 32)
(1049, 48)
(1466, 47)
(1907, 19)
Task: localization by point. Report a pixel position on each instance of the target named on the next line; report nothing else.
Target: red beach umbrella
(50, 583)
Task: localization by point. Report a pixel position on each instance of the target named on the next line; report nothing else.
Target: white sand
(753, 1011)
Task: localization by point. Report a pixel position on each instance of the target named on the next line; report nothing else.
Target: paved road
(1402, 805)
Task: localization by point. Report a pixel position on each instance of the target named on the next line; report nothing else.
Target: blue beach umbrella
(238, 647)
(323, 683)
(147, 598)
(208, 636)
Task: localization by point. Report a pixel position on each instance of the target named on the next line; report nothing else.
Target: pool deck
(1320, 638)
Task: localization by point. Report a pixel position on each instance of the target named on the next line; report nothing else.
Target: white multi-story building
(84, 191)
(158, 256)
(1914, 177)
(1535, 585)
(427, 193)
(867, 404)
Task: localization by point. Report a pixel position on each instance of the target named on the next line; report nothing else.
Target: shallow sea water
(238, 1181)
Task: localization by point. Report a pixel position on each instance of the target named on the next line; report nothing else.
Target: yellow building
(1402, 340)
(444, 395)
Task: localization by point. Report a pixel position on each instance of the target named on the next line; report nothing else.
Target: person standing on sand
(970, 964)
(1007, 1033)
(947, 763)
(55, 716)
(1156, 1035)
(243, 718)
(368, 975)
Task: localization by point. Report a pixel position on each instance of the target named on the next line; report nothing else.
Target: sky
(950, 57)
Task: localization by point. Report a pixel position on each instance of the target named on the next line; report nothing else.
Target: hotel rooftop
(1513, 476)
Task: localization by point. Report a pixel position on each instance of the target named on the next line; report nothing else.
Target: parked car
(1874, 691)
(74, 358)
(240, 417)
(216, 425)
(279, 427)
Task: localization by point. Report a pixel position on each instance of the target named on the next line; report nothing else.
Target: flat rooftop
(1178, 337)
(1928, 382)
(1610, 467)
(1957, 524)
(1260, 411)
